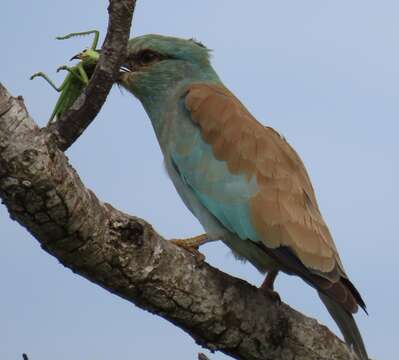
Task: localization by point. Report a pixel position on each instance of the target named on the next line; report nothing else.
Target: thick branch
(72, 124)
(124, 255)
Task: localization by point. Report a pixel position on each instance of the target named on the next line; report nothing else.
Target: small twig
(74, 121)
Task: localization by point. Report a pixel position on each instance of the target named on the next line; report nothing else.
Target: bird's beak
(123, 73)
(128, 66)
(124, 70)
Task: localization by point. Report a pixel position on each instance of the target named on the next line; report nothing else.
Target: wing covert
(283, 210)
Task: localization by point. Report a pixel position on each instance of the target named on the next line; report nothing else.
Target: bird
(242, 180)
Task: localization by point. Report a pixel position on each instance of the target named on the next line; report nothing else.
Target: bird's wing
(280, 211)
(284, 210)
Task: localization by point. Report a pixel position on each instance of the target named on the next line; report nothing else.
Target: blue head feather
(180, 63)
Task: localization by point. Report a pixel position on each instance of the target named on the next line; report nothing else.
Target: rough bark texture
(124, 255)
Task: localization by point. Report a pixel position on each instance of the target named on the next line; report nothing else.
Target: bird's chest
(177, 133)
(217, 198)
(204, 182)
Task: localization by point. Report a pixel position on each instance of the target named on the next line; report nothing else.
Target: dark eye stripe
(136, 60)
(137, 57)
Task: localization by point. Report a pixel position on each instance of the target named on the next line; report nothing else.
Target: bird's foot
(272, 295)
(191, 245)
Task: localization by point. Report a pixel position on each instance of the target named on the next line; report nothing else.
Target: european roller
(243, 181)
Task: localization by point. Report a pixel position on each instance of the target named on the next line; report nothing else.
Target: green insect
(78, 76)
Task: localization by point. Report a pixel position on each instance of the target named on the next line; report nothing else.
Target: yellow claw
(191, 245)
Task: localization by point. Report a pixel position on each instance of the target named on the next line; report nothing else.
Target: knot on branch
(131, 231)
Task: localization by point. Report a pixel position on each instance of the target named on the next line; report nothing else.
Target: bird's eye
(147, 56)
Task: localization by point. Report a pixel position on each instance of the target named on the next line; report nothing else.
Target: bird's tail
(347, 325)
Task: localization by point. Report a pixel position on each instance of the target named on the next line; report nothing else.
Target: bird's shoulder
(239, 139)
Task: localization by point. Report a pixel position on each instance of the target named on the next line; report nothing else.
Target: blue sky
(324, 74)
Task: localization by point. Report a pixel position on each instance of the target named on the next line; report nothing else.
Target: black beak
(128, 65)
(124, 69)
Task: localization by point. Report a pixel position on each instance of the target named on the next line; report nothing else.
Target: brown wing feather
(284, 211)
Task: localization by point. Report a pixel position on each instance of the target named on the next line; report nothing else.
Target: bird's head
(155, 65)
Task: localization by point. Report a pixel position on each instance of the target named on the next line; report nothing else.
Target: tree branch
(74, 121)
(124, 255)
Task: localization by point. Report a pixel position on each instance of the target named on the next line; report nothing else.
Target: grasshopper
(78, 76)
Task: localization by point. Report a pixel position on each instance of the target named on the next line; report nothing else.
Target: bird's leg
(268, 285)
(192, 244)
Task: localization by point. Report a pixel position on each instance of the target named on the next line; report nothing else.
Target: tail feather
(347, 325)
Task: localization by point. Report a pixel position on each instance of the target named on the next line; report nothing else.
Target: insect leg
(83, 33)
(77, 71)
(83, 73)
(45, 77)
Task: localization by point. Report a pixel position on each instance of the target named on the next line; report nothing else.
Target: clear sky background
(323, 73)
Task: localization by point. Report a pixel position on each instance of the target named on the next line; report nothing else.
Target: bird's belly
(227, 219)
(242, 249)
(212, 226)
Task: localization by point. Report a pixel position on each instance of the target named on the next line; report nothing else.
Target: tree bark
(123, 253)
